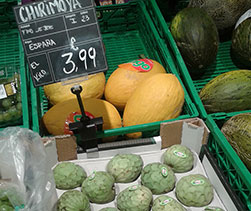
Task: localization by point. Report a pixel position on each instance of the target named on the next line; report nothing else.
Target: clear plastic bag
(25, 177)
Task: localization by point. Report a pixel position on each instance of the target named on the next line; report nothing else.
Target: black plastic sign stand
(61, 39)
(87, 128)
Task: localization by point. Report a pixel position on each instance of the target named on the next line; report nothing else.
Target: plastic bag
(25, 177)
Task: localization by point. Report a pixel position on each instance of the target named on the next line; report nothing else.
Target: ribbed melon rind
(228, 92)
(241, 43)
(237, 131)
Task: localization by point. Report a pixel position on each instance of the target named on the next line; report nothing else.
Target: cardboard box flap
(192, 133)
(60, 148)
(66, 147)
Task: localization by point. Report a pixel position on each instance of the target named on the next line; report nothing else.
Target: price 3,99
(83, 56)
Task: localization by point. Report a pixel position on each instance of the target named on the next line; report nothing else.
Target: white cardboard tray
(99, 164)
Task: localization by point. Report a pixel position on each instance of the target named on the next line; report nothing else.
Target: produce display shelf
(127, 31)
(227, 160)
(12, 61)
(222, 64)
(238, 176)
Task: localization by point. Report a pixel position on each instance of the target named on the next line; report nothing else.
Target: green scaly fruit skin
(7, 203)
(73, 200)
(109, 209)
(225, 13)
(197, 38)
(6, 208)
(237, 131)
(68, 175)
(3, 196)
(166, 203)
(99, 187)
(178, 163)
(132, 199)
(228, 92)
(194, 195)
(8, 194)
(213, 209)
(241, 40)
(125, 168)
(153, 178)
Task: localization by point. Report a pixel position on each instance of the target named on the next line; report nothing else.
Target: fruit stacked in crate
(134, 55)
(10, 101)
(213, 37)
(129, 94)
(13, 74)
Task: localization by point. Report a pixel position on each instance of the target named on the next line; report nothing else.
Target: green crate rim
(230, 153)
(36, 96)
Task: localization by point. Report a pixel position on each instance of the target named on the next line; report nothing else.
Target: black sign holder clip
(87, 128)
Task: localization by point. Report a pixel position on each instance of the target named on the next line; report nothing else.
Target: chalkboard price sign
(61, 39)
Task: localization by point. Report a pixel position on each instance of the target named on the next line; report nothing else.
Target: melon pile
(137, 92)
(199, 28)
(219, 62)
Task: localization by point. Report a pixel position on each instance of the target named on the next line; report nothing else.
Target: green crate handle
(136, 128)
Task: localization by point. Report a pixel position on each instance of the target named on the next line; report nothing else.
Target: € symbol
(73, 40)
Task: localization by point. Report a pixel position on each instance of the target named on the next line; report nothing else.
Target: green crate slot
(12, 60)
(236, 172)
(127, 31)
(130, 46)
(222, 64)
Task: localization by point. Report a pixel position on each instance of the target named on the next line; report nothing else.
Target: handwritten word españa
(42, 44)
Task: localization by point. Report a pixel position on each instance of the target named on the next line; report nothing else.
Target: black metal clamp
(87, 128)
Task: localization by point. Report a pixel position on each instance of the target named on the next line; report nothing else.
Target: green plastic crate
(127, 31)
(228, 161)
(12, 60)
(222, 64)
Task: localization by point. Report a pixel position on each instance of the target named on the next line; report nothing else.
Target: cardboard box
(192, 133)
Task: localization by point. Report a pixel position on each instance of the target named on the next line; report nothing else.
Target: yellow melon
(92, 88)
(57, 118)
(123, 81)
(159, 97)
